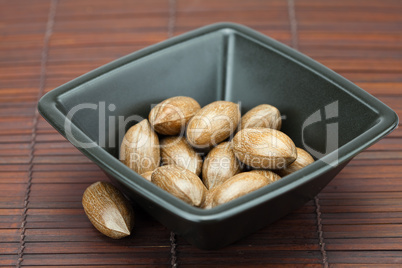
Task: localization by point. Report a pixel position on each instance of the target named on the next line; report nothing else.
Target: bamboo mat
(355, 221)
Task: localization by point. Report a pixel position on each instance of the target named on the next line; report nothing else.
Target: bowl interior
(223, 64)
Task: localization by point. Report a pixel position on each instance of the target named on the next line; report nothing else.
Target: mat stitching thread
(320, 233)
(44, 58)
(172, 17)
(171, 26)
(173, 246)
(295, 44)
(293, 24)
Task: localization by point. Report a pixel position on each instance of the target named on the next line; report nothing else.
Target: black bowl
(326, 114)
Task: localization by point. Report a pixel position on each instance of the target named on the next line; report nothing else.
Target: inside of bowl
(317, 113)
(124, 96)
(220, 65)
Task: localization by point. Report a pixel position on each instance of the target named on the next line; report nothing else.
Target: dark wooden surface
(45, 43)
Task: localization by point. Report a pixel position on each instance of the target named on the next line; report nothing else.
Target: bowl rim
(387, 121)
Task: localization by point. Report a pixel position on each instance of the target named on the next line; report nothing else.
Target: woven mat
(356, 220)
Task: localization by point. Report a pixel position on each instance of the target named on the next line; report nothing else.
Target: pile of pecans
(211, 155)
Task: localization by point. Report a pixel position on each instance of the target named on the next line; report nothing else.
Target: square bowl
(324, 113)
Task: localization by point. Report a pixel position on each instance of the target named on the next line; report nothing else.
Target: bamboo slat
(359, 212)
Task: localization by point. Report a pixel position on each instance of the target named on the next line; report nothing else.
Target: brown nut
(213, 124)
(108, 210)
(219, 165)
(271, 176)
(176, 151)
(209, 198)
(263, 115)
(264, 148)
(140, 148)
(147, 175)
(303, 159)
(181, 183)
(239, 185)
(171, 115)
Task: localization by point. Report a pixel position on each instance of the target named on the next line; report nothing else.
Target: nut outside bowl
(326, 115)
